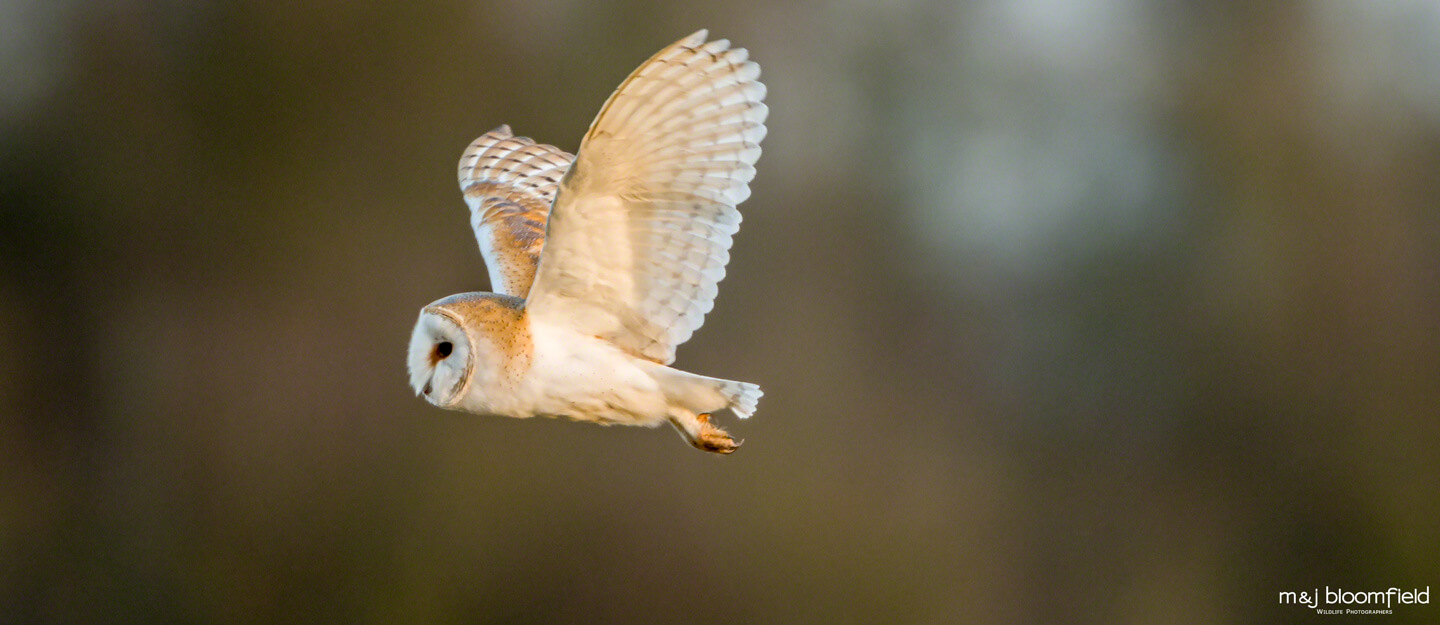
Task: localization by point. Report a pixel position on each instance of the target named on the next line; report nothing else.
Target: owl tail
(703, 395)
(743, 396)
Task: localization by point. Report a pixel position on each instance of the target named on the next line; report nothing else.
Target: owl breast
(583, 378)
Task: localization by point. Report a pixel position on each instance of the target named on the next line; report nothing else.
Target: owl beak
(427, 388)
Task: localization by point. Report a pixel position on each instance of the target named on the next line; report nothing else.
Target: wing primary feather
(641, 226)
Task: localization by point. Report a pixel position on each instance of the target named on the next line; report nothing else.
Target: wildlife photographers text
(1346, 599)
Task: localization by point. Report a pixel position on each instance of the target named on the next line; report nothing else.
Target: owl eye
(443, 348)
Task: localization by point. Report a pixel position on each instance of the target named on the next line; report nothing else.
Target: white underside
(588, 379)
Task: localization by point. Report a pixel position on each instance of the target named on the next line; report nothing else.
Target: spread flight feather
(629, 240)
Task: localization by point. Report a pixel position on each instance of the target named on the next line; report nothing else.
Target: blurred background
(1121, 311)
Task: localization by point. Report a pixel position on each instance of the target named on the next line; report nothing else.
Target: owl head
(440, 359)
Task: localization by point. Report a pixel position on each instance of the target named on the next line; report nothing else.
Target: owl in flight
(604, 262)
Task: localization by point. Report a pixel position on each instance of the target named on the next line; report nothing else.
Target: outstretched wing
(509, 183)
(640, 232)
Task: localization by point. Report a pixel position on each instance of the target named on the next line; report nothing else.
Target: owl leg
(704, 435)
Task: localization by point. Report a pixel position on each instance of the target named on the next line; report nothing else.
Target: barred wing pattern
(641, 228)
(510, 183)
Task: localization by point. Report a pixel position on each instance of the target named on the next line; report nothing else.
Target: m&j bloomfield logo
(1340, 601)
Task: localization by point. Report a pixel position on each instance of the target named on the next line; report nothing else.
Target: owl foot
(705, 436)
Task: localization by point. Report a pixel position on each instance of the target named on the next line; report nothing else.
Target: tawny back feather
(509, 184)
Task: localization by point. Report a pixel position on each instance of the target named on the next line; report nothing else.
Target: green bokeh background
(1123, 311)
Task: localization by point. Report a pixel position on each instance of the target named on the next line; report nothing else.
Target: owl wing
(640, 231)
(510, 183)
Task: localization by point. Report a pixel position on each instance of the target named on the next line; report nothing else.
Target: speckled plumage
(605, 262)
(510, 183)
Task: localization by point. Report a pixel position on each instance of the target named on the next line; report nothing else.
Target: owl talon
(716, 442)
(706, 437)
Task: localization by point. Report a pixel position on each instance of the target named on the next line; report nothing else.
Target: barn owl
(605, 261)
